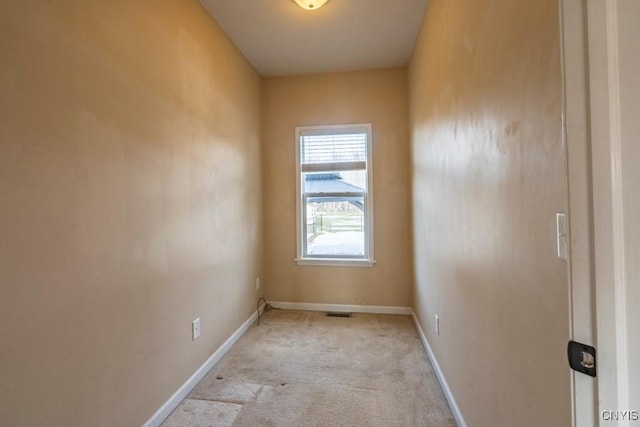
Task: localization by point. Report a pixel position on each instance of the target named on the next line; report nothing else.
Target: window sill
(336, 262)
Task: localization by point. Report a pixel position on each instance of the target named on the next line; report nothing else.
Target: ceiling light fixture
(311, 4)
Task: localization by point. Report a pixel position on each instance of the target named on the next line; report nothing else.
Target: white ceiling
(280, 39)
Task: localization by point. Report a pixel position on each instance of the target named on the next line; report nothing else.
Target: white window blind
(340, 148)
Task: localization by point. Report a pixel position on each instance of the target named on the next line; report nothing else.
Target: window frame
(368, 260)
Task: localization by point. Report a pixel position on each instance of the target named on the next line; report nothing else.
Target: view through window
(334, 192)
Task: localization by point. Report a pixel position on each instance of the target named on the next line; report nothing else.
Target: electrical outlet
(195, 328)
(437, 324)
(257, 283)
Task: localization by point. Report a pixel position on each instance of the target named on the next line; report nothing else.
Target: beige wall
(488, 178)
(378, 97)
(129, 205)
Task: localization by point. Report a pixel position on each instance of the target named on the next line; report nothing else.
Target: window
(334, 197)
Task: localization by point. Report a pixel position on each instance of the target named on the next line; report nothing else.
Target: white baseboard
(377, 309)
(175, 400)
(443, 382)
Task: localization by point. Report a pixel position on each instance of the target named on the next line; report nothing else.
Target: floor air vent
(336, 314)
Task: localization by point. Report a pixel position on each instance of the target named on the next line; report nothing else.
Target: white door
(629, 77)
(601, 56)
(614, 66)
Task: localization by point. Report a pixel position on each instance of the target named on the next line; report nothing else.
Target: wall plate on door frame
(561, 236)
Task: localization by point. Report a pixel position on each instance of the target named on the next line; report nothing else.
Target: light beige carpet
(305, 369)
